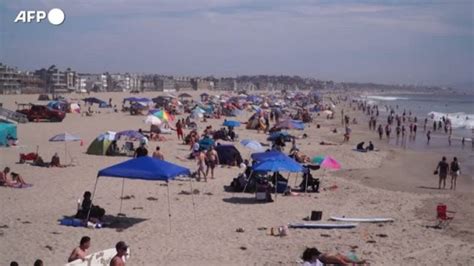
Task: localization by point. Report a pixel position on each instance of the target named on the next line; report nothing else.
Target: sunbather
(313, 257)
(55, 161)
(3, 177)
(17, 180)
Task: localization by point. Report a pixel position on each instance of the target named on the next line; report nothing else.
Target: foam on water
(386, 98)
(458, 120)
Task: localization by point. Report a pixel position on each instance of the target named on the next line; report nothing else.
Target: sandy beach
(393, 182)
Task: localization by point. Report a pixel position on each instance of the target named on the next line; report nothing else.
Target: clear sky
(404, 41)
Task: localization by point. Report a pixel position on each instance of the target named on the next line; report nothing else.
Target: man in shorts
(442, 169)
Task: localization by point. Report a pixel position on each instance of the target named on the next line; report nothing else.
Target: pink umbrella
(330, 163)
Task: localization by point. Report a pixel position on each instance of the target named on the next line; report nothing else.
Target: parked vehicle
(40, 113)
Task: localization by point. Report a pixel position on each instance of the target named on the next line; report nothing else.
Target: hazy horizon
(402, 42)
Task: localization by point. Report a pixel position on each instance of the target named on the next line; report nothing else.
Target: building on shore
(56, 81)
(9, 80)
(31, 83)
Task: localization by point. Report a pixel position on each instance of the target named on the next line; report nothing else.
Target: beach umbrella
(65, 137)
(330, 163)
(153, 120)
(129, 134)
(231, 123)
(275, 135)
(251, 144)
(277, 163)
(318, 159)
(144, 168)
(163, 115)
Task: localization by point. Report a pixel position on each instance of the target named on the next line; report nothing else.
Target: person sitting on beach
(80, 252)
(55, 161)
(94, 212)
(4, 177)
(313, 257)
(370, 147)
(141, 151)
(113, 149)
(17, 180)
(360, 146)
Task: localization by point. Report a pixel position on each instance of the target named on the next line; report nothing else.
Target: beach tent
(228, 154)
(74, 108)
(99, 146)
(92, 100)
(7, 129)
(144, 168)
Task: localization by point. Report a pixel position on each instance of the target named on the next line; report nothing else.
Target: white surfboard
(322, 226)
(362, 220)
(101, 258)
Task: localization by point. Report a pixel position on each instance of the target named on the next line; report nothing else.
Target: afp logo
(55, 16)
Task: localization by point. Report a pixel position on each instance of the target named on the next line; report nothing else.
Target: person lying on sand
(313, 257)
(80, 252)
(328, 143)
(299, 156)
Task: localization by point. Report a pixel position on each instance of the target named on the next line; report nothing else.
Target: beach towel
(21, 186)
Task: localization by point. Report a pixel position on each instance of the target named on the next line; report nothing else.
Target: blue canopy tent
(275, 162)
(143, 168)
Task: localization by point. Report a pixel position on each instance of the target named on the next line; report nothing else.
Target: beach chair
(443, 215)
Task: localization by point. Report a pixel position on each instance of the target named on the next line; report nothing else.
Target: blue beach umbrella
(231, 123)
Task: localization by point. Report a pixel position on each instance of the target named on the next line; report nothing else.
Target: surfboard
(322, 226)
(362, 220)
(101, 258)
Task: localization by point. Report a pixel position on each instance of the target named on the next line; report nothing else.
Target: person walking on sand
(80, 252)
(201, 162)
(212, 160)
(442, 170)
(380, 130)
(118, 259)
(179, 130)
(455, 172)
(428, 137)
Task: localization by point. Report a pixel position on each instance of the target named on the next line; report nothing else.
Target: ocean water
(458, 108)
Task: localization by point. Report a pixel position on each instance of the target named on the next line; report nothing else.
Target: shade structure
(251, 144)
(65, 137)
(282, 165)
(330, 163)
(153, 120)
(145, 168)
(270, 155)
(129, 134)
(163, 115)
(206, 143)
(231, 123)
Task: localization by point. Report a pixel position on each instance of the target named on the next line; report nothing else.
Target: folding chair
(442, 214)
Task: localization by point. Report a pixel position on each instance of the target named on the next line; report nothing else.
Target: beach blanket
(19, 186)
